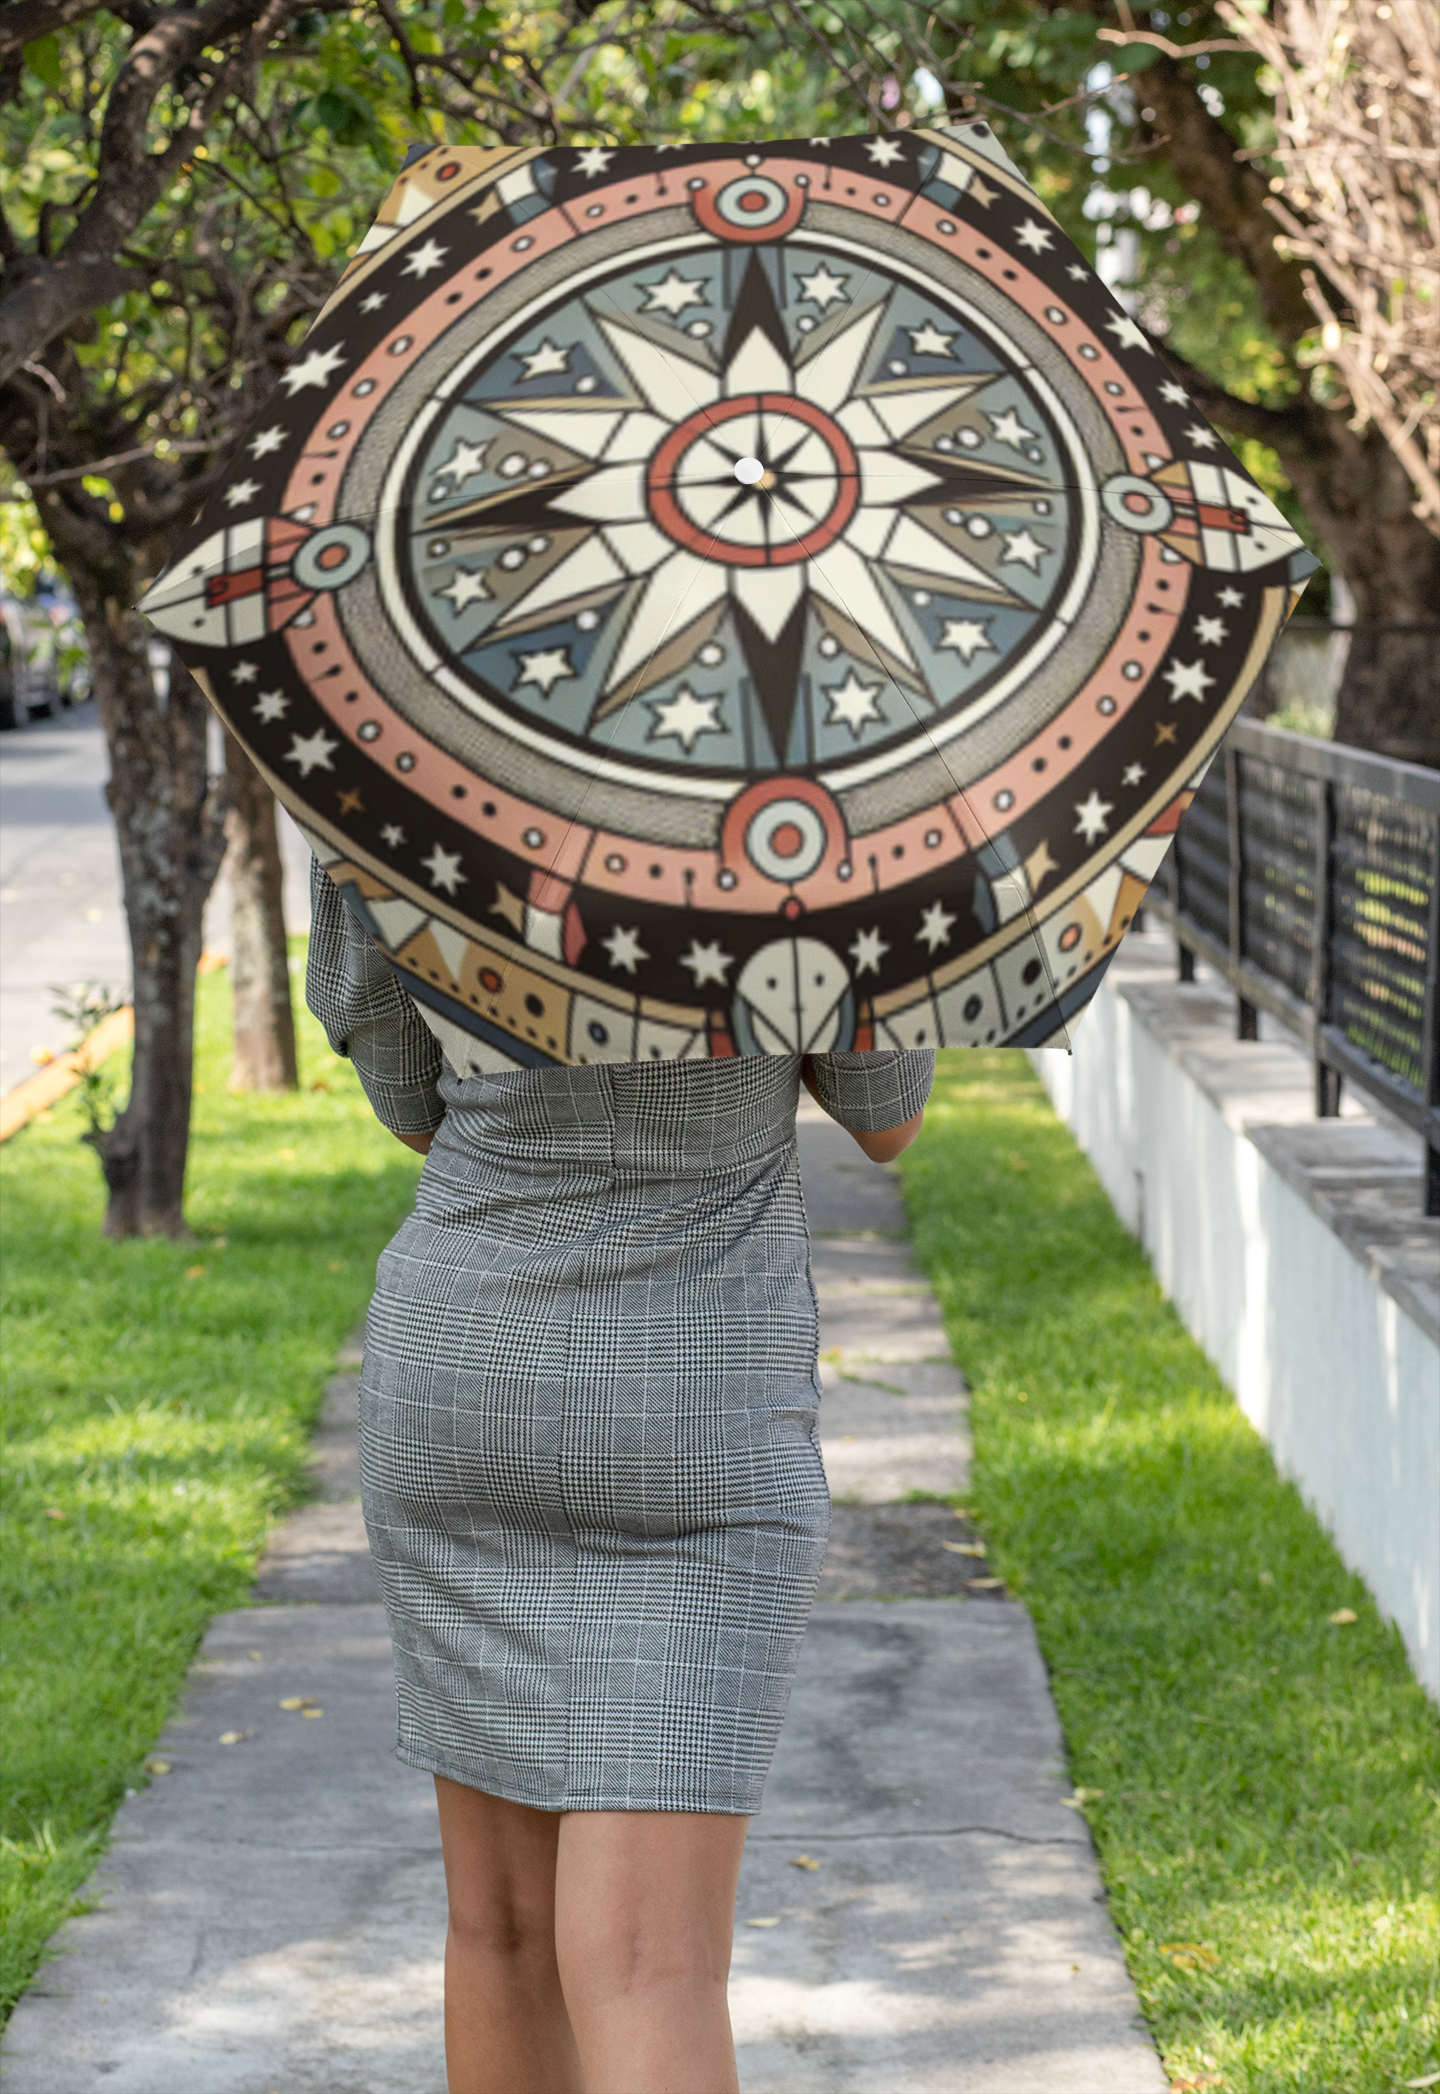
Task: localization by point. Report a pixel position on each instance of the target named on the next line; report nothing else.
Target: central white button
(748, 471)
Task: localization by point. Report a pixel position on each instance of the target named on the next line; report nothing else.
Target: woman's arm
(881, 1145)
(368, 1016)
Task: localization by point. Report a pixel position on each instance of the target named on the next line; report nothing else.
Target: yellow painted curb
(48, 1085)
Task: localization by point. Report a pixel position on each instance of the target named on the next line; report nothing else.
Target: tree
(159, 185)
(263, 1056)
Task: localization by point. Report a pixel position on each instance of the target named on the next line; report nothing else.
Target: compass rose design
(790, 532)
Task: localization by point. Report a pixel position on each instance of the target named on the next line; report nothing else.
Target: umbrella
(716, 600)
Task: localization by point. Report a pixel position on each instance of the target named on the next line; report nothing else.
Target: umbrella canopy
(726, 600)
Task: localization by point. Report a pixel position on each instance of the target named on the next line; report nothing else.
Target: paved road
(60, 915)
(271, 1912)
(61, 919)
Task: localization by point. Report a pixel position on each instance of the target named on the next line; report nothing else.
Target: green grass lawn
(1263, 1782)
(158, 1397)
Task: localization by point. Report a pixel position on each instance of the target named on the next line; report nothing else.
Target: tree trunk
(1360, 499)
(1351, 485)
(264, 1051)
(169, 817)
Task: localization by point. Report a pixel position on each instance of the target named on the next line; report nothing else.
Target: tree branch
(1270, 425)
(51, 300)
(1230, 193)
(25, 21)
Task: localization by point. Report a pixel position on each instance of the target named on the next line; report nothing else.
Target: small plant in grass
(1259, 1768)
(83, 1007)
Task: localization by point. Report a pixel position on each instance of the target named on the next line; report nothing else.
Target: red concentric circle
(807, 495)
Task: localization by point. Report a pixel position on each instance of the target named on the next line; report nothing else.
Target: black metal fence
(1308, 874)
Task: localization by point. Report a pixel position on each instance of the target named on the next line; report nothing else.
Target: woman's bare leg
(644, 1919)
(506, 2028)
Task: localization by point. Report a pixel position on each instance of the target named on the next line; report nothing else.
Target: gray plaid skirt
(590, 1464)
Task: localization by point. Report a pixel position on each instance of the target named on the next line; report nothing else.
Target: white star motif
(935, 927)
(1037, 238)
(1008, 428)
(267, 441)
(373, 302)
(1094, 816)
(1211, 631)
(1024, 550)
(884, 151)
(393, 835)
(312, 751)
(1203, 439)
(594, 160)
(1128, 333)
(467, 586)
(1175, 394)
(867, 951)
(624, 948)
(464, 462)
(271, 705)
(545, 669)
(674, 293)
(1187, 680)
(707, 963)
(823, 289)
(929, 341)
(1231, 598)
(244, 672)
(318, 368)
(240, 493)
(444, 869)
(1132, 774)
(424, 259)
(545, 360)
(1077, 272)
(968, 637)
(685, 716)
(853, 703)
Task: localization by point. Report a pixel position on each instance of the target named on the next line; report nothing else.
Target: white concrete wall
(1342, 1382)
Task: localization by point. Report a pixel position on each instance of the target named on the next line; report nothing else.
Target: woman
(596, 1505)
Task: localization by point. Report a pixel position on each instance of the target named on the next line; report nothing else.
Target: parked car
(46, 664)
(8, 715)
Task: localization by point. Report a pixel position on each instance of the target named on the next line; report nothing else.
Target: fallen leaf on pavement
(254, 1653)
(803, 1861)
(964, 1548)
(157, 1766)
(235, 1737)
(983, 1584)
(1189, 1955)
(1343, 1616)
(762, 1923)
(312, 1712)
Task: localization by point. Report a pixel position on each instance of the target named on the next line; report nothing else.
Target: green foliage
(1262, 1780)
(158, 1397)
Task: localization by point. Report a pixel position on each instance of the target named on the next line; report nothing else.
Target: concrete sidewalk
(918, 1911)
